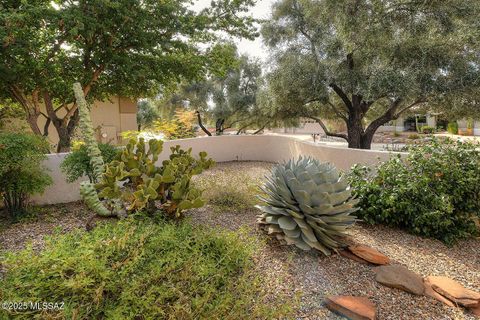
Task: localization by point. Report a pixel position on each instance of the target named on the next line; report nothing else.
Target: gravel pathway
(49, 219)
(311, 276)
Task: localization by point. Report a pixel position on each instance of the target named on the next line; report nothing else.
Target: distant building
(410, 123)
(110, 118)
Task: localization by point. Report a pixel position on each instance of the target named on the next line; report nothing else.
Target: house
(110, 118)
(411, 123)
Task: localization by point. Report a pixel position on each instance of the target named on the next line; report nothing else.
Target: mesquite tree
(367, 62)
(123, 47)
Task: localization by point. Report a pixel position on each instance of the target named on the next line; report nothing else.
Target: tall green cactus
(87, 189)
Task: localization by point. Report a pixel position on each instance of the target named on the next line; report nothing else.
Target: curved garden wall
(222, 149)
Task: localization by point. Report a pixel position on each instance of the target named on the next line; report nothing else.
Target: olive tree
(367, 62)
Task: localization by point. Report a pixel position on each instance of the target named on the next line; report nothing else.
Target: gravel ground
(312, 276)
(48, 219)
(305, 276)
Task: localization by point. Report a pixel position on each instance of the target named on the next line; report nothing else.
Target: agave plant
(307, 204)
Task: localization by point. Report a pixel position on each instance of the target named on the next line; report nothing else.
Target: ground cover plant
(21, 171)
(433, 192)
(139, 269)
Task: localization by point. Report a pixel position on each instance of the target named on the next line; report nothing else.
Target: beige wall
(227, 148)
(110, 117)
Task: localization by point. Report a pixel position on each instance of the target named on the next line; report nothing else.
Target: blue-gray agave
(307, 204)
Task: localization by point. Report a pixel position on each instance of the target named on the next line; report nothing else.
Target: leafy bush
(452, 127)
(133, 182)
(180, 127)
(77, 163)
(140, 270)
(434, 192)
(21, 171)
(427, 130)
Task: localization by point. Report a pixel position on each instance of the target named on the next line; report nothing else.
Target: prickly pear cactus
(308, 205)
(135, 180)
(87, 190)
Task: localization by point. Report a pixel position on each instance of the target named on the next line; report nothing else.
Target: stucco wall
(112, 116)
(226, 148)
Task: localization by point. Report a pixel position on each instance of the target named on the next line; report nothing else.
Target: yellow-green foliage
(133, 180)
(141, 270)
(180, 127)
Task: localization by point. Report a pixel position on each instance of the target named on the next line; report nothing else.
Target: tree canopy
(125, 47)
(367, 62)
(228, 98)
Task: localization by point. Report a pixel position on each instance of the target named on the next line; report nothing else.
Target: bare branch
(325, 129)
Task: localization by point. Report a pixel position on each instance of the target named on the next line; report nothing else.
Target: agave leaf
(287, 223)
(272, 210)
(295, 233)
(272, 219)
(273, 228)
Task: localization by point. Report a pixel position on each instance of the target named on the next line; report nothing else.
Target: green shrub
(77, 163)
(452, 127)
(427, 130)
(141, 270)
(434, 192)
(21, 171)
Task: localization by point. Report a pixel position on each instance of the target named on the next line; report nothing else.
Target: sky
(255, 48)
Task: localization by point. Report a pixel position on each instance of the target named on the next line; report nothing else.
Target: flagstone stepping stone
(369, 254)
(397, 276)
(434, 294)
(354, 308)
(347, 254)
(454, 291)
(476, 311)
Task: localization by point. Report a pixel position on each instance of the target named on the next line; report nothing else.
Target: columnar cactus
(87, 189)
(308, 205)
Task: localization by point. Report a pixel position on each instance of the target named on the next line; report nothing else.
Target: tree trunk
(219, 127)
(65, 132)
(199, 118)
(32, 120)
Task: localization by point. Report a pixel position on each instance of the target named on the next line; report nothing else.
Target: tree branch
(387, 116)
(199, 118)
(419, 100)
(342, 95)
(327, 132)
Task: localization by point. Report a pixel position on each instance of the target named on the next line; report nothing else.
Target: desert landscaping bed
(313, 276)
(306, 277)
